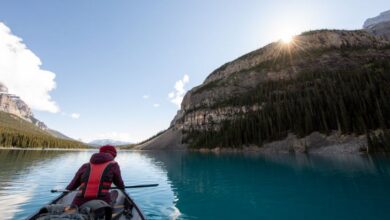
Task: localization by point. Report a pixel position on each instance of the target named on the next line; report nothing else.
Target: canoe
(123, 208)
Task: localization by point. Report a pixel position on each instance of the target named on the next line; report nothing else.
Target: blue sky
(107, 55)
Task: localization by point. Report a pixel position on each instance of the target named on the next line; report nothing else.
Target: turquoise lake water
(212, 186)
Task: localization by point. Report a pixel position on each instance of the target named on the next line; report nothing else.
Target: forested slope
(16, 132)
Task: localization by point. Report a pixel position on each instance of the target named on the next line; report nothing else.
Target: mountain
(19, 127)
(380, 25)
(14, 105)
(57, 134)
(327, 91)
(101, 142)
(17, 132)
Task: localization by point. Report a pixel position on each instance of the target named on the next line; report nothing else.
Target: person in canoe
(94, 179)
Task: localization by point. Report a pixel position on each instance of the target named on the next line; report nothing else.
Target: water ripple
(25, 183)
(206, 186)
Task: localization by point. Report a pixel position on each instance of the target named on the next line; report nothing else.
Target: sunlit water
(210, 186)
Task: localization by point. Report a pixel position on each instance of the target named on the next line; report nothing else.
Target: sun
(287, 38)
(287, 35)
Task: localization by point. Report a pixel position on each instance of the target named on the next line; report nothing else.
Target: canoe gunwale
(55, 200)
(141, 214)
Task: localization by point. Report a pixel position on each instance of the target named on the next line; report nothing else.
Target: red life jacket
(94, 182)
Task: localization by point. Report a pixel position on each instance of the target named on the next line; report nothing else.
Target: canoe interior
(122, 202)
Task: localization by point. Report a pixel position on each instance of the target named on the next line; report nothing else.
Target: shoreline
(45, 149)
(261, 150)
(81, 149)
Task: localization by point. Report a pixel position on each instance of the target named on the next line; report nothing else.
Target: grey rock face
(381, 29)
(170, 139)
(3, 88)
(208, 105)
(308, 41)
(383, 17)
(14, 105)
(245, 73)
(379, 26)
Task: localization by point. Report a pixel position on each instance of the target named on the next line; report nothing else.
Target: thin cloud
(20, 71)
(176, 96)
(147, 97)
(75, 115)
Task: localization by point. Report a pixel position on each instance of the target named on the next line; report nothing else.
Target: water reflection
(15, 189)
(213, 186)
(228, 186)
(348, 164)
(28, 176)
(139, 168)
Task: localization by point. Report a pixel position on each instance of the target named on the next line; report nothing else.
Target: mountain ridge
(19, 127)
(13, 104)
(17, 132)
(379, 25)
(246, 87)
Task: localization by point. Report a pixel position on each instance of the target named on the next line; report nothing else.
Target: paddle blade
(59, 191)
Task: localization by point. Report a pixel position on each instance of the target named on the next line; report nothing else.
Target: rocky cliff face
(380, 25)
(328, 81)
(277, 61)
(382, 17)
(14, 105)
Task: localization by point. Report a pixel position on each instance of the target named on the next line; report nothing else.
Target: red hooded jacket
(113, 175)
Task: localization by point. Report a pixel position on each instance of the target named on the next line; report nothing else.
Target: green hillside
(353, 99)
(16, 132)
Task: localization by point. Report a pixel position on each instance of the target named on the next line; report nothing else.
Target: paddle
(126, 187)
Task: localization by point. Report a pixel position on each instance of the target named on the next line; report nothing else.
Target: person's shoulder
(84, 166)
(114, 164)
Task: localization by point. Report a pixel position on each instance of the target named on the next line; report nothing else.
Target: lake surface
(212, 186)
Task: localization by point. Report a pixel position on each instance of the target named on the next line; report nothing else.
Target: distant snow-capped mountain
(101, 142)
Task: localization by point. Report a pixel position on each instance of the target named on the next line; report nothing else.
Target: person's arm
(76, 181)
(117, 179)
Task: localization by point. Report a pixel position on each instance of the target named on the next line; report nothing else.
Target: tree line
(16, 138)
(353, 100)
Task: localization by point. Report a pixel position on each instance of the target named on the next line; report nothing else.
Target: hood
(101, 158)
